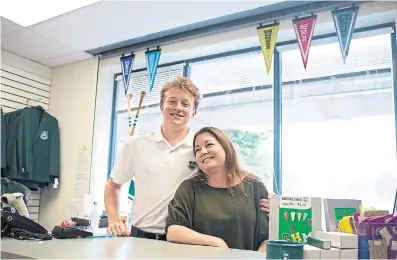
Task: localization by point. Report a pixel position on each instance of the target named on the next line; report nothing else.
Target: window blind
(230, 73)
(140, 82)
(365, 54)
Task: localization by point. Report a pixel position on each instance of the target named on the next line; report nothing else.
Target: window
(338, 123)
(238, 98)
(149, 117)
(338, 133)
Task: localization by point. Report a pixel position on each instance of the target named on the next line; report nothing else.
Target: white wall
(103, 114)
(73, 104)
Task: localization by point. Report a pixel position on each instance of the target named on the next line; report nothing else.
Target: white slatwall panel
(18, 90)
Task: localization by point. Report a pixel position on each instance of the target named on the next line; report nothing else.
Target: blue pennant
(127, 63)
(152, 61)
(345, 21)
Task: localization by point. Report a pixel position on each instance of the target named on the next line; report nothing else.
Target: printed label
(295, 203)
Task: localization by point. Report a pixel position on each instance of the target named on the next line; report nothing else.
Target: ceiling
(65, 38)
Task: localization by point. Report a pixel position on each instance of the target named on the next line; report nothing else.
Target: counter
(118, 247)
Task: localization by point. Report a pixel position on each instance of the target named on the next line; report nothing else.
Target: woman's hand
(262, 247)
(184, 235)
(265, 203)
(218, 242)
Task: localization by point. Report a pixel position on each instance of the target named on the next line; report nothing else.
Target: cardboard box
(333, 253)
(348, 254)
(339, 240)
(311, 252)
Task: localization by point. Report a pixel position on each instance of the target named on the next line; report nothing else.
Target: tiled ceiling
(65, 38)
(26, 43)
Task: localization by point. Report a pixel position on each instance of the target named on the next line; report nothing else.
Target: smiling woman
(211, 208)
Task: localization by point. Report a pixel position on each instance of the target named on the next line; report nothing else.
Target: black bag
(21, 228)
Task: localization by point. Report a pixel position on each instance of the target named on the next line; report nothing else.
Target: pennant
(268, 37)
(304, 28)
(293, 216)
(152, 61)
(345, 21)
(286, 216)
(127, 63)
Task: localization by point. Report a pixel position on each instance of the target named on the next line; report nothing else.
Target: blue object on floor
(102, 236)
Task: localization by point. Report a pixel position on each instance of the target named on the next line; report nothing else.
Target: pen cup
(283, 249)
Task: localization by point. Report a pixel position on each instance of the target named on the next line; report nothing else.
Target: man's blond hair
(184, 84)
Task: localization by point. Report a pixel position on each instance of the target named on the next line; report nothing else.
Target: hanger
(41, 104)
(30, 104)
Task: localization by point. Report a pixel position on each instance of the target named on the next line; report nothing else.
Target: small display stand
(294, 218)
(336, 209)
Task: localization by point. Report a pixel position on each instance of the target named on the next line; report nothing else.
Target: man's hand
(117, 228)
(265, 203)
(111, 196)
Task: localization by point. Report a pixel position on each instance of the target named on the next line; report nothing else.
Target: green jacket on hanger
(38, 146)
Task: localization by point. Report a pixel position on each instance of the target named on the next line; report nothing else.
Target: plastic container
(94, 221)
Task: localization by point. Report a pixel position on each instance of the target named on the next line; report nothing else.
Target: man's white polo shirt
(158, 169)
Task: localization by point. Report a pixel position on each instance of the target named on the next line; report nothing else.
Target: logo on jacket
(192, 165)
(44, 135)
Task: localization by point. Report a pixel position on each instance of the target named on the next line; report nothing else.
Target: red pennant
(304, 28)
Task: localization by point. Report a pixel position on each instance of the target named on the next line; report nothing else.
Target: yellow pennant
(268, 37)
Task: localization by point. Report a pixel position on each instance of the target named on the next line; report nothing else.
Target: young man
(159, 161)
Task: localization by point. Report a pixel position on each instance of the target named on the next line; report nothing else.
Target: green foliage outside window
(255, 149)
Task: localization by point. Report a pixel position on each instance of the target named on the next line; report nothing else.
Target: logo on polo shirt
(44, 135)
(192, 165)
